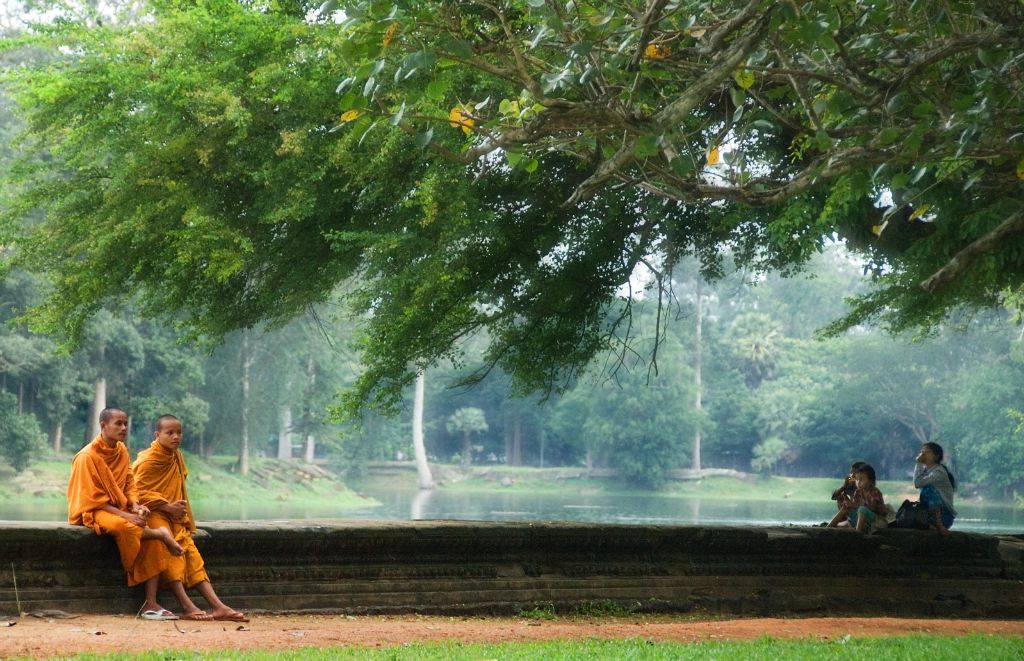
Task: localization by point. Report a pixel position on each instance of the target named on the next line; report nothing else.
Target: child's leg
(930, 496)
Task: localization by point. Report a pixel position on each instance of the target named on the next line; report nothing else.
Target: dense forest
(269, 220)
(774, 398)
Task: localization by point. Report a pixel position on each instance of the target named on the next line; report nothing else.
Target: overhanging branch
(963, 259)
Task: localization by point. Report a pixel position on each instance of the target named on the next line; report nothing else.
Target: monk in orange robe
(102, 495)
(160, 474)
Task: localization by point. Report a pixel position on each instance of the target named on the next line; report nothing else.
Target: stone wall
(476, 567)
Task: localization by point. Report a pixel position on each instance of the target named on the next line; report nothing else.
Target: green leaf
(423, 139)
(744, 78)
(683, 166)
(764, 125)
(368, 88)
(988, 57)
(531, 165)
(646, 146)
(513, 157)
(436, 89)
(888, 136)
(397, 117)
(738, 96)
(535, 3)
(899, 181)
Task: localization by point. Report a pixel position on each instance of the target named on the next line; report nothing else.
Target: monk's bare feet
(168, 539)
(229, 614)
(197, 616)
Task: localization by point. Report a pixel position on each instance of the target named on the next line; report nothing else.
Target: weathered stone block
(472, 567)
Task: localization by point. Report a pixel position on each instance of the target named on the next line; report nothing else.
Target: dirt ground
(42, 638)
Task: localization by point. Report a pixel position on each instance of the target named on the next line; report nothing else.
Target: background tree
(467, 421)
(753, 134)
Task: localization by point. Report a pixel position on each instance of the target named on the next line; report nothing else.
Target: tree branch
(963, 259)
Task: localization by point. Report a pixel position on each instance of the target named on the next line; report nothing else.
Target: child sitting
(844, 494)
(866, 510)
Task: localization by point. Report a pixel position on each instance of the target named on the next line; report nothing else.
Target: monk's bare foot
(197, 615)
(229, 614)
(168, 539)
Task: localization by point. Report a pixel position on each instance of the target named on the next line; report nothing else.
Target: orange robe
(160, 477)
(102, 475)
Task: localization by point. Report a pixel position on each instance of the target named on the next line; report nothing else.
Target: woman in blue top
(936, 483)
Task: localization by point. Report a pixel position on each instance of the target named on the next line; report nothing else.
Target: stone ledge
(483, 567)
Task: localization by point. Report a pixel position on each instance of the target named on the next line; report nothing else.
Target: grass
(210, 483)
(546, 481)
(912, 648)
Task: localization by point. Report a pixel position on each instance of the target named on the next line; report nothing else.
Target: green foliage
(467, 420)
(768, 454)
(541, 612)
(20, 438)
(230, 164)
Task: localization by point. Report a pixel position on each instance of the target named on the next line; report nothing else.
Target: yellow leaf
(460, 118)
(877, 229)
(696, 33)
(920, 211)
(390, 34)
(1020, 169)
(713, 156)
(745, 79)
(350, 115)
(656, 52)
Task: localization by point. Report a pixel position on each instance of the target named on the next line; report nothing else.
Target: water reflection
(416, 504)
(419, 503)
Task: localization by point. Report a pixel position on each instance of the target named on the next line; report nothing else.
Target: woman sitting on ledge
(936, 483)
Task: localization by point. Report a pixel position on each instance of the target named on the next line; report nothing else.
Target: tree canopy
(508, 167)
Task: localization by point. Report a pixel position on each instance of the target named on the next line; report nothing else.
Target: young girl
(866, 509)
(844, 494)
(936, 483)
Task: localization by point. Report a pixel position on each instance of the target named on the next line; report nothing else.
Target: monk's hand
(176, 509)
(135, 518)
(141, 510)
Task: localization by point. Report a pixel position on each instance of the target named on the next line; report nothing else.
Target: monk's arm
(131, 515)
(174, 508)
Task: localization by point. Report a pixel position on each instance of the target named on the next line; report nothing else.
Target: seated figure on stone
(844, 494)
(866, 510)
(160, 474)
(102, 495)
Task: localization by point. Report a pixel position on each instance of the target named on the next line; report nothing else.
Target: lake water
(441, 504)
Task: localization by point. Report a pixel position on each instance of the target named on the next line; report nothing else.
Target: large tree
(507, 166)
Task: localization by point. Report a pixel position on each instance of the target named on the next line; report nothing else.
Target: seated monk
(102, 495)
(160, 475)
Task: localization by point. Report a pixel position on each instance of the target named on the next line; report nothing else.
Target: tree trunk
(58, 436)
(517, 442)
(698, 348)
(419, 449)
(467, 448)
(21, 398)
(284, 433)
(99, 402)
(243, 445)
(307, 409)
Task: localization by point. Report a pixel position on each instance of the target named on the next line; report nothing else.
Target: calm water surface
(423, 505)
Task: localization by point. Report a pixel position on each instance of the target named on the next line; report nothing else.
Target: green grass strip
(843, 648)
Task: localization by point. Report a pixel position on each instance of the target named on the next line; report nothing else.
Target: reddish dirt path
(42, 638)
